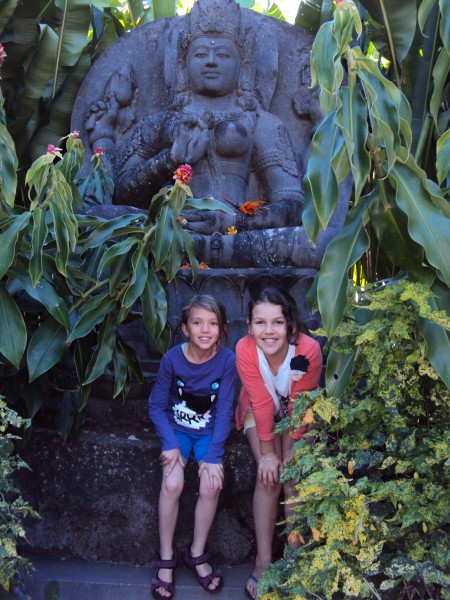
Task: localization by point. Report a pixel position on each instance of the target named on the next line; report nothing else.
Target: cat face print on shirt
(194, 411)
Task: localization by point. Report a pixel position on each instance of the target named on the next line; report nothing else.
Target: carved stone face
(212, 66)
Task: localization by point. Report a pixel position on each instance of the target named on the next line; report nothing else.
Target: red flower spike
(51, 149)
(183, 174)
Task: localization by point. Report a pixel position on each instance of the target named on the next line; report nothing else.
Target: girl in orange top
(274, 361)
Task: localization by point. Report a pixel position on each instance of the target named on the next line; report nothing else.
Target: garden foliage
(13, 509)
(374, 486)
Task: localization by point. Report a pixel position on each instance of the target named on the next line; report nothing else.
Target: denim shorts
(192, 441)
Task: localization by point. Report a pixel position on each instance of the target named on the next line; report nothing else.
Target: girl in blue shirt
(191, 406)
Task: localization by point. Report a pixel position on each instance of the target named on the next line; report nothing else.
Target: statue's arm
(275, 166)
(145, 164)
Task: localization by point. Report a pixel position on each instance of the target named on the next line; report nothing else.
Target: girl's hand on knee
(269, 470)
(169, 458)
(215, 473)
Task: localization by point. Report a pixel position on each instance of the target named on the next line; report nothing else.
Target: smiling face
(203, 329)
(268, 326)
(212, 66)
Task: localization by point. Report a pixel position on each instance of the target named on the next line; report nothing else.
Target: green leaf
(73, 27)
(44, 293)
(139, 263)
(385, 102)
(164, 8)
(352, 119)
(39, 236)
(46, 347)
(320, 177)
(108, 229)
(103, 353)
(325, 69)
(399, 25)
(441, 70)
(207, 204)
(134, 365)
(66, 413)
(13, 332)
(8, 241)
(189, 246)
(341, 253)
(391, 227)
(120, 369)
(427, 225)
(163, 236)
(119, 249)
(37, 76)
(94, 311)
(312, 13)
(62, 238)
(6, 12)
(154, 306)
(443, 157)
(435, 336)
(444, 27)
(338, 372)
(8, 167)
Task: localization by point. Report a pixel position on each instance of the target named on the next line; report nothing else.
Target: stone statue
(217, 119)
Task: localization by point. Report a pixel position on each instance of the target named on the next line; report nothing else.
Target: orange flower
(251, 208)
(294, 536)
(203, 265)
(351, 466)
(185, 266)
(309, 417)
(232, 230)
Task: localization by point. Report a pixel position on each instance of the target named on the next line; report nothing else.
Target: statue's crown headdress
(215, 17)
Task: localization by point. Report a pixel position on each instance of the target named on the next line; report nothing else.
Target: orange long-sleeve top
(254, 392)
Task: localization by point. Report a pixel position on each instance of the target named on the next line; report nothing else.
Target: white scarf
(279, 384)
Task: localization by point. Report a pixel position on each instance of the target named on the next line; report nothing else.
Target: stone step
(80, 580)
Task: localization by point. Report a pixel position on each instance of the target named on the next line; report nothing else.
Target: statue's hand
(191, 142)
(208, 221)
(102, 119)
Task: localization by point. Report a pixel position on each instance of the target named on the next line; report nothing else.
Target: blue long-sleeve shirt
(194, 398)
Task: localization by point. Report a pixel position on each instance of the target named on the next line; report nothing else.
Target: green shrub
(374, 515)
(13, 509)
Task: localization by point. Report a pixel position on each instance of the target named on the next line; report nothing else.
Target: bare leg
(205, 512)
(288, 488)
(171, 488)
(265, 508)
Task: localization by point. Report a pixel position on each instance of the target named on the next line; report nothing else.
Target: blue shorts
(192, 441)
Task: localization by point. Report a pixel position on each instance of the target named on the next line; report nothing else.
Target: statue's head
(215, 32)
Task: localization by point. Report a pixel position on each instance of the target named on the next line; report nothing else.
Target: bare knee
(172, 487)
(269, 491)
(205, 490)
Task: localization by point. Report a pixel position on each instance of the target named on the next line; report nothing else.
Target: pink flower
(183, 173)
(75, 134)
(99, 151)
(51, 149)
(3, 54)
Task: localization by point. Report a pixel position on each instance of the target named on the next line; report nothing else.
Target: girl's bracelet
(263, 458)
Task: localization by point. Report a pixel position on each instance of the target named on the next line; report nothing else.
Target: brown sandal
(159, 583)
(193, 561)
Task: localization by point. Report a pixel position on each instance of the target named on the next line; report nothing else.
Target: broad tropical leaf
(13, 332)
(427, 225)
(46, 347)
(341, 253)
